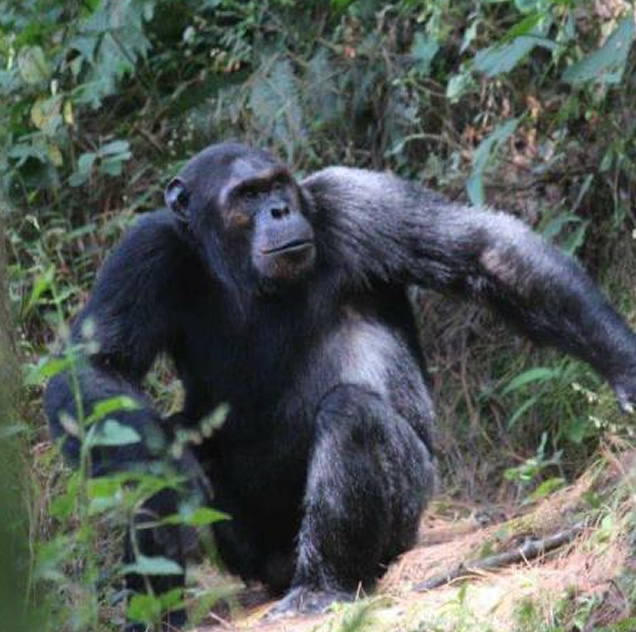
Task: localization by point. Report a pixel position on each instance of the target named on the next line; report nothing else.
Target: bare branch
(530, 549)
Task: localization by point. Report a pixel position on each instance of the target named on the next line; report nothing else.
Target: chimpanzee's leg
(369, 480)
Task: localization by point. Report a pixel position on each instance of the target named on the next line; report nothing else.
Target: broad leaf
(12, 429)
(607, 64)
(500, 58)
(115, 147)
(153, 566)
(45, 369)
(112, 433)
(423, 51)
(33, 65)
(46, 114)
(144, 608)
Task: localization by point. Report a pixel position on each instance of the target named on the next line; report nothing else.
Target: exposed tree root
(530, 549)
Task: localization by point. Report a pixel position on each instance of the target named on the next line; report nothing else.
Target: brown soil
(587, 565)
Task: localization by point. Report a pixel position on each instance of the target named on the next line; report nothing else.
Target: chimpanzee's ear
(177, 198)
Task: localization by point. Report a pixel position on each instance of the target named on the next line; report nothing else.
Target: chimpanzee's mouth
(296, 245)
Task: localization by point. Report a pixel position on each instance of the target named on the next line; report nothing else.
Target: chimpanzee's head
(248, 213)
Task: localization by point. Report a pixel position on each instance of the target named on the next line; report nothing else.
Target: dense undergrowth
(525, 105)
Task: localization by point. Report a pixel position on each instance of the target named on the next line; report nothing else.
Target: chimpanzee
(287, 301)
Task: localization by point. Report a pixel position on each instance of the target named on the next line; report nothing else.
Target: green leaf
(144, 608)
(51, 366)
(46, 114)
(106, 486)
(423, 51)
(469, 36)
(576, 239)
(62, 506)
(112, 40)
(527, 26)
(555, 225)
(86, 162)
(536, 374)
(528, 5)
(84, 168)
(126, 489)
(545, 489)
(607, 64)
(626, 625)
(483, 153)
(46, 369)
(153, 566)
(101, 505)
(85, 45)
(172, 600)
(200, 517)
(500, 58)
(148, 609)
(51, 557)
(112, 433)
(578, 429)
(23, 151)
(43, 283)
(32, 65)
(112, 166)
(340, 5)
(458, 85)
(115, 147)
(522, 410)
(475, 190)
(112, 405)
(214, 421)
(11, 430)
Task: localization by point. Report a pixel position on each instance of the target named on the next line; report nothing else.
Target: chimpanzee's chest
(273, 367)
(247, 363)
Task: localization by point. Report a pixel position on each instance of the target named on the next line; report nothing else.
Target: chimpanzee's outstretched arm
(376, 225)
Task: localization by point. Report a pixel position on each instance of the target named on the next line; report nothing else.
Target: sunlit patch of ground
(577, 579)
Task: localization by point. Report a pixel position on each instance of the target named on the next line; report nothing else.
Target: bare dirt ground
(581, 570)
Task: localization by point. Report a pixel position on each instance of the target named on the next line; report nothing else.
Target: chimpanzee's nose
(280, 210)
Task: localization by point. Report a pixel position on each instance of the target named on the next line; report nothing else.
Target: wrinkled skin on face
(247, 209)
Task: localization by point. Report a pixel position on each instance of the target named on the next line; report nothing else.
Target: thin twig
(530, 549)
(224, 623)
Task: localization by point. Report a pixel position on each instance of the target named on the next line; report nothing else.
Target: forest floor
(576, 585)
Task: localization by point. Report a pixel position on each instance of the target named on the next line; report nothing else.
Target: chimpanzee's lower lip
(292, 246)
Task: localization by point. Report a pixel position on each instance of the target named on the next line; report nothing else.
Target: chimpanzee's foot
(301, 600)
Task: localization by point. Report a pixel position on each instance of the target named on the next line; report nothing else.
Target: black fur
(325, 460)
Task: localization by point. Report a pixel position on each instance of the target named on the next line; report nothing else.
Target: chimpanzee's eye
(279, 186)
(251, 194)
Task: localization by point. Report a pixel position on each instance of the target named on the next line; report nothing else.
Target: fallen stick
(530, 549)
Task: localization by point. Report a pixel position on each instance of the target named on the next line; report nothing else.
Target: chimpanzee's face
(245, 201)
